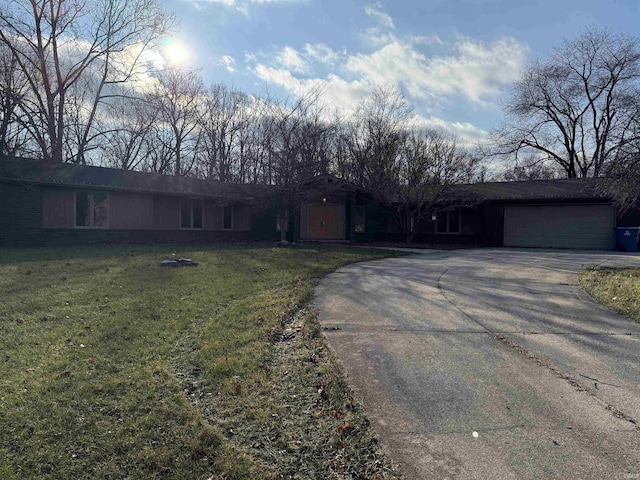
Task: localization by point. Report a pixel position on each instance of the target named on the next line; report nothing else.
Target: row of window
(446, 222)
(92, 211)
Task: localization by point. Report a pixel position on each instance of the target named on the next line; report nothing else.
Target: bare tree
(223, 119)
(407, 168)
(531, 169)
(62, 44)
(127, 132)
(295, 139)
(578, 107)
(13, 90)
(621, 180)
(178, 100)
(376, 134)
(430, 162)
(251, 147)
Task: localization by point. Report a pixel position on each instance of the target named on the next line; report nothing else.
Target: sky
(454, 60)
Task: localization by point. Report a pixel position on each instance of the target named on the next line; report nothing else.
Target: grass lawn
(617, 289)
(112, 367)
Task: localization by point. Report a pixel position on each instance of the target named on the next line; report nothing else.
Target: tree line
(165, 120)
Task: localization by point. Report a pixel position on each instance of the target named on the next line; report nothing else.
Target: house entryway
(323, 222)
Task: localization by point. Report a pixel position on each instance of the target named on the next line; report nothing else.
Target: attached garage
(582, 226)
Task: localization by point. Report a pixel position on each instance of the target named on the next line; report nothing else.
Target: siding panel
(166, 213)
(57, 208)
(241, 218)
(213, 217)
(130, 211)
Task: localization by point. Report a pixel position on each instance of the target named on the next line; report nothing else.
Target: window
(448, 222)
(191, 214)
(92, 209)
(360, 224)
(227, 218)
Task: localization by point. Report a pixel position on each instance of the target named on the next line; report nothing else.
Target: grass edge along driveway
(112, 367)
(617, 289)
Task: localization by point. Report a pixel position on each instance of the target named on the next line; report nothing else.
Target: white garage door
(560, 226)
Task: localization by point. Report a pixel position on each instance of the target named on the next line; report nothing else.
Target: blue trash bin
(627, 238)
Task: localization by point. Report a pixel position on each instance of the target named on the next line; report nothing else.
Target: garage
(583, 226)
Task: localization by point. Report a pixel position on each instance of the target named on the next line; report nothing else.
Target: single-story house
(44, 203)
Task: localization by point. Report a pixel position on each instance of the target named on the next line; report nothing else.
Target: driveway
(489, 363)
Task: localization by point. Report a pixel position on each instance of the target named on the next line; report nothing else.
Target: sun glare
(174, 53)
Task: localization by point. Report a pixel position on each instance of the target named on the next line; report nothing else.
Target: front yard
(112, 367)
(618, 289)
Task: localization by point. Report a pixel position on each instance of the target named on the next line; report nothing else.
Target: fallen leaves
(346, 428)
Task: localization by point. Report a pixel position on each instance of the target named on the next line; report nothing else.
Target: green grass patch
(112, 367)
(618, 289)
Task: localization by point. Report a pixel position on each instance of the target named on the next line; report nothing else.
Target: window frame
(232, 217)
(91, 208)
(448, 218)
(191, 202)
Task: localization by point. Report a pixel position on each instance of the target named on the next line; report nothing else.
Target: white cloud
(383, 32)
(338, 93)
(228, 62)
(432, 71)
(477, 71)
(279, 76)
(382, 17)
(468, 134)
(321, 53)
(393, 64)
(470, 70)
(290, 59)
(473, 70)
(345, 96)
(424, 39)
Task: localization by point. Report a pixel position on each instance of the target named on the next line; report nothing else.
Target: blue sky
(453, 59)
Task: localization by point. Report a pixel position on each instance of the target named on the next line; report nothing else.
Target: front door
(322, 222)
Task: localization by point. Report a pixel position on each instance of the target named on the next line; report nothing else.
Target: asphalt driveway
(490, 363)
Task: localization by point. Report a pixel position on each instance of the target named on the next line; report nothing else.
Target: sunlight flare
(174, 53)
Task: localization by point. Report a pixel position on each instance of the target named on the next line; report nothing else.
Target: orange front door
(322, 221)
